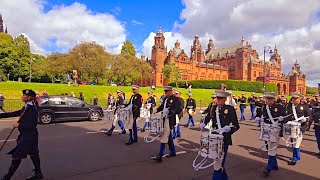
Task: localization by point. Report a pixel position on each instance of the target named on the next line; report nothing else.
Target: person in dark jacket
(27, 141)
(277, 113)
(190, 109)
(2, 102)
(81, 97)
(118, 104)
(176, 131)
(95, 100)
(302, 112)
(170, 108)
(243, 106)
(252, 103)
(259, 104)
(134, 105)
(226, 117)
(209, 111)
(316, 119)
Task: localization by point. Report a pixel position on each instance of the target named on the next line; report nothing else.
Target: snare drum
(108, 115)
(156, 126)
(191, 111)
(293, 129)
(269, 133)
(211, 145)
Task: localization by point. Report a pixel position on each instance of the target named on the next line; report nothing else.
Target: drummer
(118, 104)
(226, 116)
(150, 103)
(302, 112)
(272, 113)
(190, 109)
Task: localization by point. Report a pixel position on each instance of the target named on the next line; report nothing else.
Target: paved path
(77, 151)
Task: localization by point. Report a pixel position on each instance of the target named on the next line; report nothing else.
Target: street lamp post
(265, 49)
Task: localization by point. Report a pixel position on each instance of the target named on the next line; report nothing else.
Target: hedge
(234, 85)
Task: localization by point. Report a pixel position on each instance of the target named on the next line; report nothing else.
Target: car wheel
(45, 118)
(94, 116)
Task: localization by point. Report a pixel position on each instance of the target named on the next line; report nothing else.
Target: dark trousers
(242, 108)
(171, 146)
(252, 108)
(317, 133)
(134, 131)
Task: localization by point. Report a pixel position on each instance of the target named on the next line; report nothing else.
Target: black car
(63, 108)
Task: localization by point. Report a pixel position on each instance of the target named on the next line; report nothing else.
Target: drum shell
(211, 146)
(293, 129)
(108, 115)
(269, 133)
(156, 126)
(124, 114)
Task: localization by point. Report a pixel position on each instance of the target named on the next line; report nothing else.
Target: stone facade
(235, 62)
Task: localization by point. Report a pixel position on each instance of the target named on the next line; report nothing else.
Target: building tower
(210, 45)
(1, 24)
(158, 57)
(276, 56)
(197, 53)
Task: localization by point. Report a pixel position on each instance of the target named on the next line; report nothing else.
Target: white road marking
(9, 140)
(177, 153)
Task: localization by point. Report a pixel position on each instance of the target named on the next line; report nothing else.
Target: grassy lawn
(12, 90)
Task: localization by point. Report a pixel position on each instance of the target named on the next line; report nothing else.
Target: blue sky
(139, 17)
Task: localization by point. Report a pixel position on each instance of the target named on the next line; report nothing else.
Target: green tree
(128, 49)
(171, 73)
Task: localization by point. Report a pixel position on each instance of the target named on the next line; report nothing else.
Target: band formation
(277, 118)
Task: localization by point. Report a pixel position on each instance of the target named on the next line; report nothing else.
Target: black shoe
(36, 175)
(292, 163)
(6, 177)
(186, 125)
(129, 142)
(275, 168)
(109, 133)
(142, 130)
(280, 134)
(178, 136)
(266, 172)
(171, 155)
(158, 159)
(123, 132)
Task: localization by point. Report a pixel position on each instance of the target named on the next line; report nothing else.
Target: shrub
(234, 85)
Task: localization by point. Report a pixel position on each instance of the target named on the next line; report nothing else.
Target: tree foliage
(171, 73)
(128, 49)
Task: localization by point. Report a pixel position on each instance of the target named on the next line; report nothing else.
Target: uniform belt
(190, 107)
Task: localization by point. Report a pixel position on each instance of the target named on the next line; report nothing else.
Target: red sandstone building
(235, 62)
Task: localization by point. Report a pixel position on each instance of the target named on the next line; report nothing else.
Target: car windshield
(57, 101)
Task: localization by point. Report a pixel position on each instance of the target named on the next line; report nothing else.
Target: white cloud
(135, 22)
(62, 26)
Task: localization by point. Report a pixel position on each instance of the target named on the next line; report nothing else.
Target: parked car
(66, 108)
(113, 84)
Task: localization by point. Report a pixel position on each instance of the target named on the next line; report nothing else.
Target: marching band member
(190, 108)
(316, 119)
(271, 113)
(176, 131)
(119, 102)
(314, 106)
(170, 108)
(222, 116)
(209, 109)
(151, 101)
(252, 102)
(27, 141)
(300, 111)
(243, 105)
(134, 105)
(259, 104)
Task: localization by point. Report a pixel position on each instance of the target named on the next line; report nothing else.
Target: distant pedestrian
(189, 89)
(68, 79)
(95, 100)
(72, 94)
(110, 100)
(44, 93)
(81, 97)
(1, 102)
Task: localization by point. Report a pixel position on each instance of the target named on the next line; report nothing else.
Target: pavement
(81, 151)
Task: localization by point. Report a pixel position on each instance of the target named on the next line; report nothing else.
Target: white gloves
(201, 111)
(202, 125)
(165, 112)
(280, 118)
(129, 108)
(257, 119)
(303, 119)
(225, 129)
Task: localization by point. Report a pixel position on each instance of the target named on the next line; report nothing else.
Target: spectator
(110, 100)
(45, 94)
(68, 79)
(1, 102)
(95, 100)
(72, 94)
(81, 96)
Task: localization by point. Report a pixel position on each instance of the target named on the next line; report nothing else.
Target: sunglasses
(220, 97)
(213, 97)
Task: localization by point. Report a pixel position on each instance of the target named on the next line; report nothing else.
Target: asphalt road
(79, 151)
